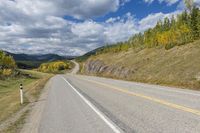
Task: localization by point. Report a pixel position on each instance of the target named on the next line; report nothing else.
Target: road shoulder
(32, 121)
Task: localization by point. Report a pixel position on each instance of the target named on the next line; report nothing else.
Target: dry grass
(179, 66)
(17, 125)
(9, 93)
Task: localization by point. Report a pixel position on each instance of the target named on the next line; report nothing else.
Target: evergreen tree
(170, 32)
(189, 4)
(166, 24)
(195, 17)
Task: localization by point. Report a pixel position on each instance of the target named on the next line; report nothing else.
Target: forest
(175, 31)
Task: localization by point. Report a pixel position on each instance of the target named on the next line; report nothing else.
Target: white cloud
(37, 26)
(56, 35)
(152, 19)
(169, 2)
(80, 9)
(112, 20)
(123, 2)
(120, 29)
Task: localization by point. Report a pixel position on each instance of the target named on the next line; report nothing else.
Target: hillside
(179, 66)
(26, 61)
(25, 57)
(165, 54)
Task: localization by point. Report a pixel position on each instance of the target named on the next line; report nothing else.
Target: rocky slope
(179, 66)
(100, 68)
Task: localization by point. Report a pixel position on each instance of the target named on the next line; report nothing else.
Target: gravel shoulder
(32, 122)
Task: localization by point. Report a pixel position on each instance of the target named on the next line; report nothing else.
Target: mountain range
(29, 61)
(42, 57)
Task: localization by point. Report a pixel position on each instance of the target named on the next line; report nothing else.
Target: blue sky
(141, 9)
(74, 27)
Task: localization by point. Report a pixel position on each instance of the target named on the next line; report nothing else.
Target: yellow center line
(172, 105)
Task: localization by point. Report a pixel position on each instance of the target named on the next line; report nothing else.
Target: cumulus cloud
(86, 8)
(120, 28)
(39, 27)
(181, 4)
(56, 35)
(152, 19)
(123, 2)
(80, 9)
(169, 2)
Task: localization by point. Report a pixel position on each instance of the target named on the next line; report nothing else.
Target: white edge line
(99, 113)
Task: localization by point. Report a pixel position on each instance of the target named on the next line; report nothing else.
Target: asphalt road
(76, 67)
(84, 104)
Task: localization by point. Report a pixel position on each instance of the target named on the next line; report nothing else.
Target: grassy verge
(9, 93)
(17, 125)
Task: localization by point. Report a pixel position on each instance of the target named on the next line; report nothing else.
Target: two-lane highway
(67, 112)
(128, 106)
(85, 104)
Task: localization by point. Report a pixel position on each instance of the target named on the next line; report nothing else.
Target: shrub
(7, 72)
(7, 65)
(54, 67)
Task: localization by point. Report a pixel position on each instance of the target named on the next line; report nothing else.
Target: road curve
(86, 104)
(76, 67)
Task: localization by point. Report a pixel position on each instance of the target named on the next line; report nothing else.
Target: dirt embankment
(179, 66)
(98, 67)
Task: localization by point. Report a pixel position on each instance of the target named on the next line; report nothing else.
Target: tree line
(170, 32)
(54, 67)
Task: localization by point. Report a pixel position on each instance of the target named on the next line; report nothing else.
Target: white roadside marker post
(21, 94)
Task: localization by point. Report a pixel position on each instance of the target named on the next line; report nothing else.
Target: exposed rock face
(98, 67)
(198, 77)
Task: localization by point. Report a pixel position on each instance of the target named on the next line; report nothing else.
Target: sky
(74, 27)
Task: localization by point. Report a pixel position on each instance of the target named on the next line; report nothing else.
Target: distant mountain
(26, 57)
(26, 61)
(44, 57)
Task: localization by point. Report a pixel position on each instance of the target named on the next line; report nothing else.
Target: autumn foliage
(170, 32)
(54, 67)
(7, 65)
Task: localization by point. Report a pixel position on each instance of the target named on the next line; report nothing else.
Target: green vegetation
(55, 67)
(175, 31)
(179, 66)
(7, 65)
(28, 64)
(159, 55)
(10, 79)
(9, 91)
